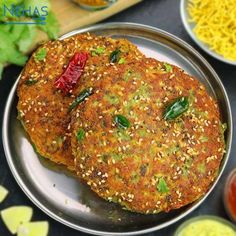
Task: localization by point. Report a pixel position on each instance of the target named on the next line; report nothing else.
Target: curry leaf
(162, 186)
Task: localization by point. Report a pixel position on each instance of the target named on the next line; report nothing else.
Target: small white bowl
(189, 28)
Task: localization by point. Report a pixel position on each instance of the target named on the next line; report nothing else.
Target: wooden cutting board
(71, 16)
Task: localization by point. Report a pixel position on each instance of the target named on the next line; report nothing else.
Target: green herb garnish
(8, 49)
(115, 56)
(162, 186)
(84, 94)
(1, 70)
(127, 75)
(201, 168)
(168, 68)
(51, 28)
(40, 54)
(177, 108)
(122, 122)
(203, 139)
(24, 35)
(223, 127)
(121, 61)
(98, 51)
(31, 81)
(80, 134)
(17, 39)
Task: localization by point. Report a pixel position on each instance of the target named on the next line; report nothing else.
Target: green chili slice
(168, 68)
(162, 186)
(98, 51)
(121, 61)
(177, 108)
(81, 97)
(122, 122)
(115, 56)
(80, 134)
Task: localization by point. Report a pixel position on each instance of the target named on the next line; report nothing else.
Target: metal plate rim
(42, 206)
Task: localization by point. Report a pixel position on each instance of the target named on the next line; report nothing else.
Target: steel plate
(65, 198)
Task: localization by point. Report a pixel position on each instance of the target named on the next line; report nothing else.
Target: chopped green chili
(162, 186)
(121, 61)
(40, 54)
(98, 51)
(168, 68)
(80, 134)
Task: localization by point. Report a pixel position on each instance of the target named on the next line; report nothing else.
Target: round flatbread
(43, 109)
(131, 149)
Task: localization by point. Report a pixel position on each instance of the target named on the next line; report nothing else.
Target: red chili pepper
(68, 79)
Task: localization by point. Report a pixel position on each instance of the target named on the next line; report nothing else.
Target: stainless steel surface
(205, 217)
(65, 198)
(189, 28)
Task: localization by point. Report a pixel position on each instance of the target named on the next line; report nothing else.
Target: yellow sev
(215, 24)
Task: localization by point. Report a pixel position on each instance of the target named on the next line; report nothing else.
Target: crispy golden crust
(43, 109)
(154, 165)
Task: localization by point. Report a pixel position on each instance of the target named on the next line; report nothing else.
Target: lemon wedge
(3, 193)
(38, 228)
(14, 216)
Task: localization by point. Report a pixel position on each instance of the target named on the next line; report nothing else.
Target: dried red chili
(68, 79)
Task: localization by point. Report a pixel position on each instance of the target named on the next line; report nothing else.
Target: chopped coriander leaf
(37, 4)
(201, 168)
(18, 58)
(40, 54)
(8, 51)
(93, 53)
(26, 37)
(168, 68)
(98, 51)
(1, 70)
(80, 134)
(18, 39)
(121, 61)
(162, 186)
(51, 27)
(15, 30)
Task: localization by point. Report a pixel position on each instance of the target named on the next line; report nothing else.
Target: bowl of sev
(212, 25)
